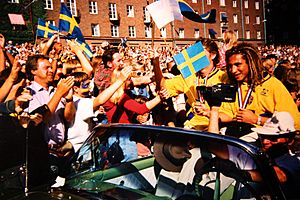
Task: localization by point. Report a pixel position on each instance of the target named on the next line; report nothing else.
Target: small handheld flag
(85, 47)
(68, 24)
(45, 29)
(191, 60)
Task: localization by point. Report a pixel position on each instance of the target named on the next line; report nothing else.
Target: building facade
(111, 20)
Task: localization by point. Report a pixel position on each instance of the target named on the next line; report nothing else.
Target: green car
(175, 163)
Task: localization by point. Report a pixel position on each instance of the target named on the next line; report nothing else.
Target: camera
(219, 92)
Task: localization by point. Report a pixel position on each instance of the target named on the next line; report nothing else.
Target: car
(182, 164)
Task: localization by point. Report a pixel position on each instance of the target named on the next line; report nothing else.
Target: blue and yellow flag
(191, 60)
(68, 24)
(85, 47)
(45, 29)
(188, 12)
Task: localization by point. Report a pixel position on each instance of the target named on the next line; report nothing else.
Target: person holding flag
(259, 94)
(195, 72)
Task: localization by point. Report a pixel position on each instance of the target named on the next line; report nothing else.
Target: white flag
(164, 12)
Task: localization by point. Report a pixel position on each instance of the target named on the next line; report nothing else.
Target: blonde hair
(230, 38)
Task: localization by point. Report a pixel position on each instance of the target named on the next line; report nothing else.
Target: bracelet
(258, 120)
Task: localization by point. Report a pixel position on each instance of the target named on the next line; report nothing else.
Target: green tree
(31, 11)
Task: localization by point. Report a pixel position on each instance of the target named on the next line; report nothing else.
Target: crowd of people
(54, 93)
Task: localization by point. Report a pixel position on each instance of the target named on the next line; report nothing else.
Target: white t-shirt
(82, 126)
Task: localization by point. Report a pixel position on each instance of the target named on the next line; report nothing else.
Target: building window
(52, 22)
(163, 32)
(113, 11)
(247, 34)
(181, 33)
(146, 15)
(130, 11)
(235, 18)
(194, 1)
(247, 19)
(208, 2)
(95, 30)
(196, 33)
(148, 32)
(257, 20)
(234, 3)
(71, 4)
(13, 1)
(93, 7)
(48, 4)
(258, 35)
(223, 17)
(114, 30)
(131, 31)
(236, 33)
(257, 5)
(222, 2)
(246, 4)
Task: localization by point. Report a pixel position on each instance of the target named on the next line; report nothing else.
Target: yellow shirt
(178, 85)
(266, 98)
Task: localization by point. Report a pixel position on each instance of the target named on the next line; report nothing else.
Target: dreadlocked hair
(251, 55)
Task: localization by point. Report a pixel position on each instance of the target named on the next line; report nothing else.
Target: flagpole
(204, 24)
(152, 29)
(173, 33)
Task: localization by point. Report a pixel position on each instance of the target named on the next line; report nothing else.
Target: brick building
(112, 20)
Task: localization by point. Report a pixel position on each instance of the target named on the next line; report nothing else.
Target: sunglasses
(138, 73)
(274, 138)
(85, 85)
(298, 96)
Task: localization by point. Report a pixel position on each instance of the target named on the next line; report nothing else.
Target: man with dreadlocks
(259, 95)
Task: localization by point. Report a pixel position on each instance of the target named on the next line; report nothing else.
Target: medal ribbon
(243, 102)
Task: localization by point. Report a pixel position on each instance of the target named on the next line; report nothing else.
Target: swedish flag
(85, 47)
(188, 12)
(68, 24)
(45, 29)
(191, 60)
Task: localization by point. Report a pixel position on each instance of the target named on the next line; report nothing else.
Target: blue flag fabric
(191, 60)
(45, 29)
(68, 24)
(188, 12)
(85, 47)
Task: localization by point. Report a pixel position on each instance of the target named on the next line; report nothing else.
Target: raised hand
(24, 119)
(15, 70)
(244, 115)
(65, 85)
(36, 118)
(164, 94)
(125, 73)
(20, 100)
(201, 109)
